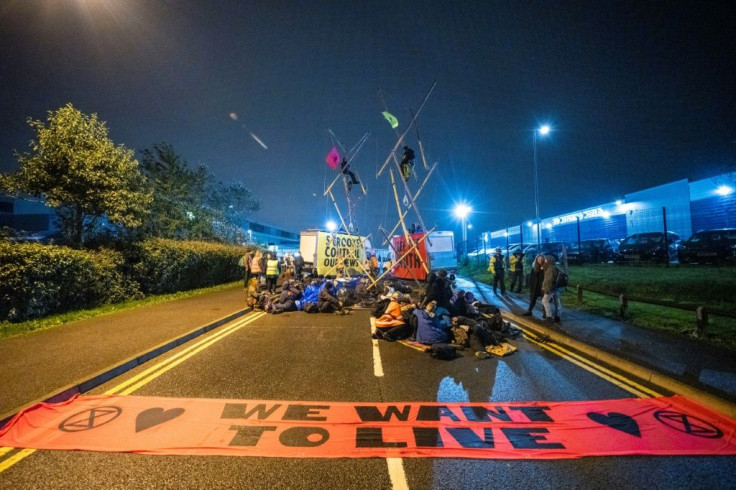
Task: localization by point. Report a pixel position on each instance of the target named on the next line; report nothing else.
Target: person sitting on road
(392, 325)
(251, 293)
(433, 324)
(392, 316)
(439, 290)
(459, 307)
(479, 337)
(327, 302)
(287, 299)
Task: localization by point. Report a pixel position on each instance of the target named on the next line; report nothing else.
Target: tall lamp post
(542, 130)
(461, 211)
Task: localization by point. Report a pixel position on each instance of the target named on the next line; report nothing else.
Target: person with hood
(272, 272)
(497, 268)
(252, 293)
(327, 302)
(459, 307)
(439, 290)
(290, 293)
(433, 324)
(392, 326)
(549, 289)
(536, 277)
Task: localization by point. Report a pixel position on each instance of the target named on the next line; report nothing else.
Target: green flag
(391, 119)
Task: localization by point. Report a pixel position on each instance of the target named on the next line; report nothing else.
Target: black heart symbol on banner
(617, 421)
(155, 416)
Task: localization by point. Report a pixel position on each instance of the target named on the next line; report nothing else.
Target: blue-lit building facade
(682, 207)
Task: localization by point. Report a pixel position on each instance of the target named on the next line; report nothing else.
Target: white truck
(327, 253)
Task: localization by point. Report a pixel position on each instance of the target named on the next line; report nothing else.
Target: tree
(178, 192)
(192, 203)
(77, 168)
(231, 203)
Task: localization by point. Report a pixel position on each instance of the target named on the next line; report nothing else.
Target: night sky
(637, 93)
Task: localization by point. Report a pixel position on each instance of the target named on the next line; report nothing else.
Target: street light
(461, 211)
(543, 130)
(331, 226)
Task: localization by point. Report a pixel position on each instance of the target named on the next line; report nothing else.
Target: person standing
(272, 273)
(536, 277)
(245, 262)
(298, 265)
(551, 298)
(497, 268)
(255, 266)
(516, 270)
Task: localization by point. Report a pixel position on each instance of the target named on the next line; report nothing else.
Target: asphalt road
(303, 357)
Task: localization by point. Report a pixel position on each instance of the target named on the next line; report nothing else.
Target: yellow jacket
(492, 264)
(514, 263)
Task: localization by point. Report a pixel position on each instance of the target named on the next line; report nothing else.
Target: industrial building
(682, 207)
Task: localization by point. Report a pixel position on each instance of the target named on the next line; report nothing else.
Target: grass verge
(689, 285)
(8, 329)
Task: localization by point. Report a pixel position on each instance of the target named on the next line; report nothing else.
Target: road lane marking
(142, 379)
(145, 377)
(160, 364)
(377, 365)
(4, 465)
(618, 380)
(395, 465)
(608, 372)
(397, 474)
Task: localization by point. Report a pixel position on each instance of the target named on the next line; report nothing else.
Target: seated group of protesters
(318, 296)
(444, 316)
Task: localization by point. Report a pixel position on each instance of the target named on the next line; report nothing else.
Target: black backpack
(379, 307)
(562, 280)
(311, 308)
(444, 352)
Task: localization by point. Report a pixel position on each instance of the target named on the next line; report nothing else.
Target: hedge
(167, 266)
(38, 280)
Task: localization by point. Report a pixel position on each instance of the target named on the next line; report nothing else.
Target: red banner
(536, 430)
(410, 267)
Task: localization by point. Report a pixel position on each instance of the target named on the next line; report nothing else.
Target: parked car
(648, 247)
(548, 248)
(709, 246)
(592, 251)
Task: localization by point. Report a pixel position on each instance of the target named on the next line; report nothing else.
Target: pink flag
(333, 158)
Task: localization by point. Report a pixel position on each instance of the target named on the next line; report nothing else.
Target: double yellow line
(619, 380)
(129, 386)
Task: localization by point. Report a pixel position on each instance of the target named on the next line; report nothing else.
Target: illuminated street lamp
(544, 131)
(331, 226)
(462, 211)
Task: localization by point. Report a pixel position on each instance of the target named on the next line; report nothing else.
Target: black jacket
(536, 277)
